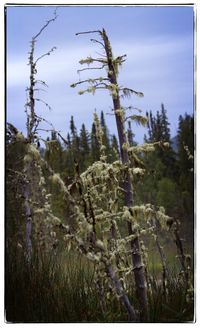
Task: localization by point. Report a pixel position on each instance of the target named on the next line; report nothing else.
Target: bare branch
(46, 54)
(101, 43)
(42, 82)
(46, 130)
(63, 139)
(40, 89)
(91, 68)
(47, 105)
(96, 31)
(45, 26)
(46, 121)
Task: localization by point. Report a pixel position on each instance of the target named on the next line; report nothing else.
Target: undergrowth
(61, 288)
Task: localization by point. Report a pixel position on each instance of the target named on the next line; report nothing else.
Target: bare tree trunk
(122, 295)
(31, 125)
(136, 256)
(26, 193)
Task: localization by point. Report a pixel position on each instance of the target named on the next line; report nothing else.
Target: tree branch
(95, 31)
(91, 81)
(46, 54)
(101, 43)
(92, 68)
(45, 26)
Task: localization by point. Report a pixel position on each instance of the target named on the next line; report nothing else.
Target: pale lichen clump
(19, 137)
(163, 218)
(56, 179)
(32, 150)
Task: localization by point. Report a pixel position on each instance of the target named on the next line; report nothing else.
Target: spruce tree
(53, 153)
(158, 130)
(130, 135)
(185, 161)
(114, 148)
(105, 138)
(75, 141)
(95, 149)
(84, 148)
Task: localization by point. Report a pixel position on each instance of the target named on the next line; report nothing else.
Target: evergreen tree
(84, 148)
(114, 148)
(160, 186)
(75, 141)
(165, 125)
(53, 152)
(73, 128)
(130, 135)
(158, 130)
(158, 126)
(95, 150)
(185, 161)
(69, 140)
(105, 139)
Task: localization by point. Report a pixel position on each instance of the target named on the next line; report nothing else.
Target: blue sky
(158, 41)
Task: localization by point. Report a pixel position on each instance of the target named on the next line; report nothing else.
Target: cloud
(160, 67)
(143, 55)
(59, 66)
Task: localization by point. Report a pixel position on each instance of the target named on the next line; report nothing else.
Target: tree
(75, 140)
(105, 138)
(54, 153)
(33, 121)
(130, 135)
(114, 148)
(110, 83)
(185, 161)
(84, 148)
(158, 130)
(95, 149)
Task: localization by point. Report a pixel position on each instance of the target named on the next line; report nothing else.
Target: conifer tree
(75, 141)
(158, 130)
(84, 148)
(114, 148)
(105, 137)
(185, 161)
(130, 135)
(95, 149)
(54, 152)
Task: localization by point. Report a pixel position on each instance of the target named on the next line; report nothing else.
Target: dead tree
(32, 123)
(110, 83)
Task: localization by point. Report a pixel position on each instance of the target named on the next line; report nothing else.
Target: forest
(98, 227)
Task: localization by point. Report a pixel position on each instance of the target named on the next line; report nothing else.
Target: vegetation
(95, 222)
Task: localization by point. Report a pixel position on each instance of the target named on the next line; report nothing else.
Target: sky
(158, 42)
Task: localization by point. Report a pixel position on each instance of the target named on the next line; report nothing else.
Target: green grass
(61, 289)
